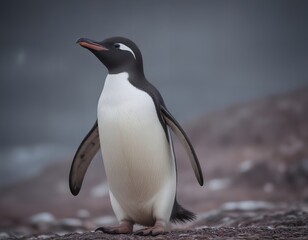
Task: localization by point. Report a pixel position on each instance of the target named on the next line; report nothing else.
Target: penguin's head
(118, 54)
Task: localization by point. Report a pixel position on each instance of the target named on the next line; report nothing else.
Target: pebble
(43, 217)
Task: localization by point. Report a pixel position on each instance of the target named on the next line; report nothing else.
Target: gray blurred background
(202, 55)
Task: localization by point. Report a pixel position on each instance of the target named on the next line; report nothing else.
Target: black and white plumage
(133, 133)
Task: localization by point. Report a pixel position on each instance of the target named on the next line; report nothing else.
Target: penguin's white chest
(137, 156)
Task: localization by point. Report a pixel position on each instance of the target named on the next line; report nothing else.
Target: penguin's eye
(117, 45)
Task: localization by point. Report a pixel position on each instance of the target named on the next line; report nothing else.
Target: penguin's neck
(114, 81)
(119, 91)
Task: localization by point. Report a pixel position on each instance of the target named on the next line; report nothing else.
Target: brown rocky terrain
(254, 158)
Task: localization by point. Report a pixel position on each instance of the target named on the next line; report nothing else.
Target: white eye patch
(125, 48)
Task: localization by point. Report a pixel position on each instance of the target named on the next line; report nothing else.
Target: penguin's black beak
(90, 44)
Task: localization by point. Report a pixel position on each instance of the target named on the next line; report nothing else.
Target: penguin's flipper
(178, 130)
(85, 153)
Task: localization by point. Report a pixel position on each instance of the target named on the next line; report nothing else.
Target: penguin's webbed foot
(158, 229)
(125, 227)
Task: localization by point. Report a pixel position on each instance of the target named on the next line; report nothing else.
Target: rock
(4, 235)
(20, 231)
(41, 222)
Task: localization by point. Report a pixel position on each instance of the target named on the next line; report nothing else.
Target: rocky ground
(255, 161)
(260, 223)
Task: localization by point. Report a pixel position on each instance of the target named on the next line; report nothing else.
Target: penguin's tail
(180, 214)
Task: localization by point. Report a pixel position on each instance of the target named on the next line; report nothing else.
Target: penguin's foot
(125, 227)
(157, 229)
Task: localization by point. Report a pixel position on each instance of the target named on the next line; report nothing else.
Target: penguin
(133, 131)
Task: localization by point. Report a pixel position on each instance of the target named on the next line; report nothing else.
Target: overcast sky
(201, 55)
